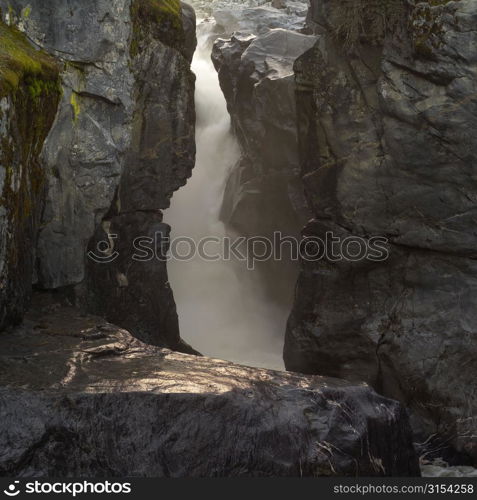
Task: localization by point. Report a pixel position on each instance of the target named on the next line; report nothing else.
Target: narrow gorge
(135, 131)
(223, 310)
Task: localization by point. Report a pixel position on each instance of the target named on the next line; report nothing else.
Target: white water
(222, 310)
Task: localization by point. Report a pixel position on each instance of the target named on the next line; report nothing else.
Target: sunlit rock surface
(246, 12)
(259, 19)
(81, 397)
(441, 469)
(388, 149)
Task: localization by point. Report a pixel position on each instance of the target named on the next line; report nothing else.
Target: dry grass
(365, 21)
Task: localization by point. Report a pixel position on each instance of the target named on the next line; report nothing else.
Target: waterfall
(222, 309)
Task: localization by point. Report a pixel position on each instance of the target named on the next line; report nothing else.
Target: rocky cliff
(264, 194)
(97, 132)
(80, 397)
(386, 109)
(121, 144)
(29, 95)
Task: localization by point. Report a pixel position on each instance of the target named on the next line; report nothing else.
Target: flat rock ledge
(81, 397)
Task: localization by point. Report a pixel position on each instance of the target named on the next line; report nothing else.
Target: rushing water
(222, 310)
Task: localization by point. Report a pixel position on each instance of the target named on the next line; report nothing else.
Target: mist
(222, 307)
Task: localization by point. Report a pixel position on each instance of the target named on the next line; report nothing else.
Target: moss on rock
(19, 60)
(29, 94)
(159, 19)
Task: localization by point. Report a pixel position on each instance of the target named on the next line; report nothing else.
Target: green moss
(75, 105)
(26, 11)
(20, 60)
(159, 19)
(37, 87)
(29, 79)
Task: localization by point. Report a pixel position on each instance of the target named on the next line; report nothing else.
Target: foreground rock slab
(81, 397)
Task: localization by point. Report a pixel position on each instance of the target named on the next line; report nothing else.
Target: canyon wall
(121, 144)
(29, 94)
(263, 194)
(387, 111)
(96, 136)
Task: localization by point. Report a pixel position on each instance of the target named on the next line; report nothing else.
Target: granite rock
(385, 126)
(82, 398)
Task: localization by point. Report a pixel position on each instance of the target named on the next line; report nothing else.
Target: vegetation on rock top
(21, 62)
(160, 19)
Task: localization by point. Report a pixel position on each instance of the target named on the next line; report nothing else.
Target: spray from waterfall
(222, 309)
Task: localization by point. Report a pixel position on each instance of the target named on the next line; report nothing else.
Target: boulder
(80, 397)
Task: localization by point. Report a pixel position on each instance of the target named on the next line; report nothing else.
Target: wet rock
(258, 20)
(263, 194)
(189, 23)
(121, 144)
(85, 150)
(439, 471)
(159, 161)
(248, 13)
(28, 104)
(387, 151)
(84, 398)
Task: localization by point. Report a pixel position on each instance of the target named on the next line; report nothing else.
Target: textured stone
(189, 23)
(84, 152)
(388, 150)
(258, 20)
(82, 398)
(121, 144)
(29, 95)
(263, 194)
(159, 160)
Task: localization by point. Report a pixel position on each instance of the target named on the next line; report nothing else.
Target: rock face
(386, 120)
(121, 144)
(85, 150)
(138, 410)
(263, 193)
(260, 19)
(29, 94)
(136, 293)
